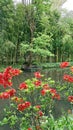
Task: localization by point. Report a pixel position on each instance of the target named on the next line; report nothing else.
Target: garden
(36, 65)
(31, 104)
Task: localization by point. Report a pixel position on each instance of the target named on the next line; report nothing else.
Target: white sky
(16, 1)
(68, 4)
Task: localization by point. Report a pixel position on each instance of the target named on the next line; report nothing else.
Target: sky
(16, 1)
(68, 4)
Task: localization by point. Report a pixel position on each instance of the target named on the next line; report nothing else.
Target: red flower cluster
(68, 78)
(38, 127)
(23, 106)
(43, 92)
(40, 113)
(23, 86)
(17, 99)
(71, 68)
(37, 75)
(56, 96)
(53, 92)
(64, 64)
(38, 106)
(8, 94)
(46, 86)
(29, 128)
(6, 76)
(70, 99)
(37, 83)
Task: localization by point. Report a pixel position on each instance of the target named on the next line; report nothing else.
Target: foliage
(41, 46)
(34, 108)
(32, 102)
(24, 25)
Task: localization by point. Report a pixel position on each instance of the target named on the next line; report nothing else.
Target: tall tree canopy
(35, 29)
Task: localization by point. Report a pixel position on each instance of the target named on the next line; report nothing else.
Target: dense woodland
(36, 32)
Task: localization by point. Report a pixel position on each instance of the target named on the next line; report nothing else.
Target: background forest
(35, 32)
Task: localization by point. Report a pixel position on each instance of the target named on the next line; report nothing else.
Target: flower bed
(32, 102)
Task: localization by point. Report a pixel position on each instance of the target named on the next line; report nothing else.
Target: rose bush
(32, 102)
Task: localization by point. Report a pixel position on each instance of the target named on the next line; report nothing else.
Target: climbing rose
(64, 64)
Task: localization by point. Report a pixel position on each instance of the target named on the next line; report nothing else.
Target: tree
(41, 48)
(6, 24)
(25, 26)
(67, 37)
